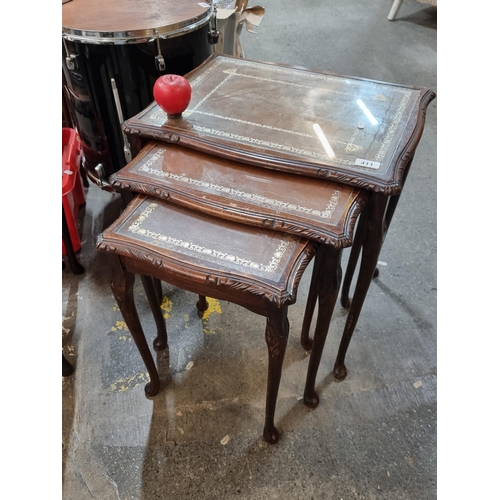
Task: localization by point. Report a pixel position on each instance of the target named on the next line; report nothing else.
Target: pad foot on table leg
(311, 400)
(339, 371)
(159, 344)
(345, 302)
(306, 344)
(271, 435)
(151, 389)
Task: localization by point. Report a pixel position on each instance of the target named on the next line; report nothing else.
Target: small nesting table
(255, 268)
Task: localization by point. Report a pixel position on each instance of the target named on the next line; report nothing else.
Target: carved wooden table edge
(172, 134)
(337, 174)
(225, 280)
(252, 214)
(282, 224)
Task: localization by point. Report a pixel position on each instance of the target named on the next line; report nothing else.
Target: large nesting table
(353, 131)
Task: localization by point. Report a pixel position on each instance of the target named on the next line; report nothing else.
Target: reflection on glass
(324, 141)
(367, 112)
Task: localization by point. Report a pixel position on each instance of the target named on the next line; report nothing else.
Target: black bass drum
(113, 52)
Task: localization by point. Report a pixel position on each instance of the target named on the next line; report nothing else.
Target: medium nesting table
(232, 232)
(323, 212)
(351, 130)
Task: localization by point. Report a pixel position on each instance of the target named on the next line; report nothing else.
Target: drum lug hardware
(213, 33)
(160, 63)
(126, 144)
(71, 63)
(99, 170)
(127, 152)
(159, 59)
(71, 59)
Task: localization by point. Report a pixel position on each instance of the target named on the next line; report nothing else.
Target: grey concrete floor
(373, 436)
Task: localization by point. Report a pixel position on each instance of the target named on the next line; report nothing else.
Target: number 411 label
(366, 163)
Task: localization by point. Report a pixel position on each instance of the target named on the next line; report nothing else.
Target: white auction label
(203, 4)
(367, 163)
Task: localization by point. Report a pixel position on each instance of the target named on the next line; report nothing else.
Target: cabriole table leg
(122, 285)
(161, 341)
(328, 289)
(312, 298)
(358, 239)
(277, 328)
(373, 237)
(354, 253)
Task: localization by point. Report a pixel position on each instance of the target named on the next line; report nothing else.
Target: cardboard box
(230, 22)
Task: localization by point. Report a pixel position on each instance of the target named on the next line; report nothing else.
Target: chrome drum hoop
(137, 36)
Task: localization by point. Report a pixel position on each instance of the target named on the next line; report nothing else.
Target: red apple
(172, 93)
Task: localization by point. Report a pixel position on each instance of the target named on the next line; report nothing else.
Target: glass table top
(352, 129)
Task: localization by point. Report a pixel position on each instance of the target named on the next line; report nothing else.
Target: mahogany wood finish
(374, 225)
(274, 116)
(258, 269)
(327, 286)
(324, 211)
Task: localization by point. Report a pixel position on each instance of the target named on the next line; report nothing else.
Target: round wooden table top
(133, 18)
